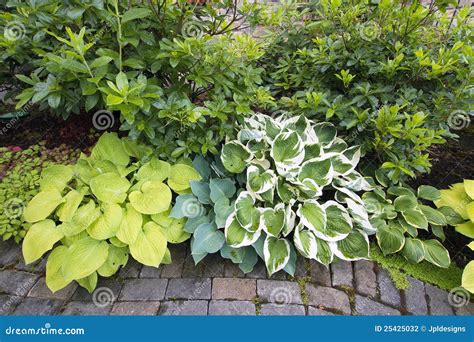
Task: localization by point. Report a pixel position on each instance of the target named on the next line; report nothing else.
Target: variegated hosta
(399, 214)
(301, 191)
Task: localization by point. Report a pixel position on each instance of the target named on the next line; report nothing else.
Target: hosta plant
(109, 205)
(300, 192)
(458, 204)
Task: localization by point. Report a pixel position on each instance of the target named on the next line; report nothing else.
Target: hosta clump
(108, 205)
(399, 214)
(458, 205)
(300, 191)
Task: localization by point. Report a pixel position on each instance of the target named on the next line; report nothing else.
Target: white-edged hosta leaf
(436, 253)
(39, 239)
(290, 219)
(276, 253)
(341, 164)
(429, 193)
(353, 154)
(325, 254)
(354, 246)
(273, 220)
(312, 215)
(259, 182)
(319, 170)
(288, 149)
(390, 239)
(360, 216)
(405, 202)
(235, 156)
(305, 242)
(326, 133)
(416, 218)
(413, 250)
(237, 236)
(433, 216)
(245, 212)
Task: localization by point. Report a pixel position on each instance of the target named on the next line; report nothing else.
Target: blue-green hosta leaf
(433, 216)
(39, 239)
(56, 176)
(154, 170)
(273, 220)
(249, 259)
(83, 258)
(326, 133)
(54, 276)
(429, 193)
(192, 223)
(202, 166)
(42, 205)
(202, 191)
(117, 257)
(154, 198)
(276, 254)
(416, 218)
(287, 150)
(312, 215)
(110, 188)
(81, 220)
(319, 170)
(110, 147)
(236, 255)
(150, 246)
(436, 253)
(221, 189)
(107, 224)
(290, 266)
(67, 210)
(390, 239)
(354, 246)
(181, 176)
(237, 236)
(245, 212)
(259, 182)
(222, 210)
(235, 156)
(305, 242)
(172, 228)
(207, 239)
(130, 226)
(187, 206)
(413, 250)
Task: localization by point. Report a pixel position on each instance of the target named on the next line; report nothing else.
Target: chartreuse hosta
(399, 215)
(458, 205)
(113, 203)
(300, 192)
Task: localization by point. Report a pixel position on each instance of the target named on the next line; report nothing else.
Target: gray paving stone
(279, 291)
(231, 308)
(342, 273)
(16, 282)
(38, 307)
(143, 289)
(85, 309)
(8, 304)
(365, 278)
(189, 288)
(229, 288)
(312, 311)
(415, 297)
(10, 253)
(320, 273)
(41, 290)
(438, 301)
(183, 308)
(135, 308)
(213, 266)
(191, 270)
(232, 270)
(465, 310)
(131, 270)
(113, 284)
(280, 275)
(282, 310)
(38, 266)
(301, 270)
(259, 271)
(151, 272)
(365, 306)
(388, 292)
(327, 297)
(175, 269)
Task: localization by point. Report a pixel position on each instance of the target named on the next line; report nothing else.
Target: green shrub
(393, 76)
(109, 205)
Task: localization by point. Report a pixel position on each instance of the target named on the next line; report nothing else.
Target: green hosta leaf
(305, 242)
(56, 177)
(416, 218)
(181, 176)
(42, 205)
(116, 242)
(172, 228)
(390, 239)
(235, 157)
(405, 203)
(107, 224)
(81, 220)
(154, 170)
(276, 254)
(456, 198)
(413, 250)
(245, 212)
(131, 225)
(354, 247)
(466, 229)
(187, 206)
(468, 277)
(288, 149)
(273, 220)
(110, 188)
(116, 258)
(470, 211)
(54, 276)
(89, 282)
(221, 189)
(150, 246)
(429, 193)
(319, 170)
(67, 210)
(452, 217)
(313, 216)
(207, 239)
(84, 257)
(202, 191)
(324, 255)
(110, 147)
(469, 188)
(433, 216)
(436, 253)
(154, 198)
(39, 239)
(237, 236)
(400, 191)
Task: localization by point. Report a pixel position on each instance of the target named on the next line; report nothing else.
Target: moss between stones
(258, 305)
(302, 284)
(399, 268)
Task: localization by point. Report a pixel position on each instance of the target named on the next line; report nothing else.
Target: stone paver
(131, 270)
(233, 308)
(279, 291)
(365, 278)
(189, 288)
(143, 289)
(229, 288)
(38, 307)
(190, 270)
(85, 308)
(367, 307)
(388, 292)
(111, 285)
(40, 290)
(232, 270)
(259, 272)
(175, 269)
(135, 308)
(151, 272)
(438, 301)
(282, 310)
(10, 253)
(415, 298)
(312, 311)
(8, 304)
(16, 282)
(320, 273)
(327, 297)
(342, 274)
(183, 308)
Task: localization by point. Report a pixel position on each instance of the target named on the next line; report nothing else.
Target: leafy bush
(177, 80)
(399, 214)
(390, 73)
(458, 204)
(20, 175)
(108, 205)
